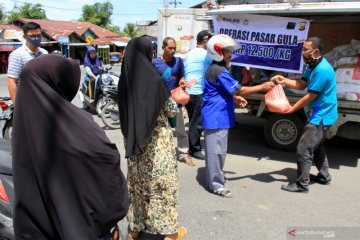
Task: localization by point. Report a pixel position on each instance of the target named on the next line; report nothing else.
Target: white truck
(337, 23)
(182, 24)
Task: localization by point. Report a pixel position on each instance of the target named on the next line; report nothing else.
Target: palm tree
(130, 30)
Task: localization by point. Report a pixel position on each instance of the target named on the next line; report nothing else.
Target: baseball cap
(203, 35)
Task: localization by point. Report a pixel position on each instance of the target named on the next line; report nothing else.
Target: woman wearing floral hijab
(145, 106)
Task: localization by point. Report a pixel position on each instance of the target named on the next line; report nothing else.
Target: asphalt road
(255, 173)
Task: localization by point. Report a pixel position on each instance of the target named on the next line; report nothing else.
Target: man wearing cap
(196, 63)
(221, 92)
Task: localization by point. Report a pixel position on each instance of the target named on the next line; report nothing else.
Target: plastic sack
(180, 96)
(276, 100)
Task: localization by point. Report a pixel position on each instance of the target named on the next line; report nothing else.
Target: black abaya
(67, 177)
(142, 94)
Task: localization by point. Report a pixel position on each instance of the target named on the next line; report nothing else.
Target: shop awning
(119, 43)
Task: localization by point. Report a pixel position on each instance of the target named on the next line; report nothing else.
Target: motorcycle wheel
(110, 115)
(8, 130)
(99, 105)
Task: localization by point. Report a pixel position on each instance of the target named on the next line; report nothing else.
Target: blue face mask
(34, 40)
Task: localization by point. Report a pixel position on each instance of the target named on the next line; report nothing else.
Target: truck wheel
(283, 132)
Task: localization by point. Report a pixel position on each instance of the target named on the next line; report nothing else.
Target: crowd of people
(67, 179)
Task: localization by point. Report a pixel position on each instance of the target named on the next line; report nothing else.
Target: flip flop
(223, 193)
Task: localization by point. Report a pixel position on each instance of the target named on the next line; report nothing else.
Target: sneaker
(319, 179)
(188, 160)
(294, 187)
(198, 155)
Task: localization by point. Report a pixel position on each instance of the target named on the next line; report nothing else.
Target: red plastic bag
(277, 101)
(180, 95)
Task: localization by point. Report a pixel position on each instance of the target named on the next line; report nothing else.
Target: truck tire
(283, 132)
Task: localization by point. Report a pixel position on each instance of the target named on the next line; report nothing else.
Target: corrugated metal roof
(9, 27)
(56, 29)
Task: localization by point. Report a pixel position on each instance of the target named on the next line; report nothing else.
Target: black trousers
(193, 107)
(311, 148)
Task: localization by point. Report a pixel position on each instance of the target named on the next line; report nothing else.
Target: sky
(124, 10)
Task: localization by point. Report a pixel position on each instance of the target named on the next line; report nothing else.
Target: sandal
(223, 192)
(179, 235)
(133, 234)
(188, 160)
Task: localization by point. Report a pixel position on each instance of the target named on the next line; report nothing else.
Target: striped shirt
(19, 57)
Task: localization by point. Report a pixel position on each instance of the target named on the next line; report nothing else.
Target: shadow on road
(269, 177)
(247, 139)
(283, 175)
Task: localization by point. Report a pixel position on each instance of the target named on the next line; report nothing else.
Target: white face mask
(310, 58)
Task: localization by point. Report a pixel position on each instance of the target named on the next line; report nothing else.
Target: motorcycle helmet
(217, 43)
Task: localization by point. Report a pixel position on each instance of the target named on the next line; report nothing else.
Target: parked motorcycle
(110, 112)
(6, 191)
(7, 196)
(6, 115)
(91, 94)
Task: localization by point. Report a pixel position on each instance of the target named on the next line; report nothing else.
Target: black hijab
(142, 93)
(67, 177)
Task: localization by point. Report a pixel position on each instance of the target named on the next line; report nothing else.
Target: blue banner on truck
(267, 42)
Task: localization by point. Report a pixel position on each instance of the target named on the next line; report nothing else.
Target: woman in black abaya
(144, 106)
(67, 177)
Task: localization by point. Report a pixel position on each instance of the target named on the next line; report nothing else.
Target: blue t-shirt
(218, 108)
(322, 81)
(171, 72)
(196, 63)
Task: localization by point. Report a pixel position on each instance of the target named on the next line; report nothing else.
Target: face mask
(310, 58)
(35, 41)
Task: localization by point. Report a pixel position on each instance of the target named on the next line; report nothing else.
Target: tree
(2, 14)
(28, 10)
(98, 14)
(114, 29)
(130, 30)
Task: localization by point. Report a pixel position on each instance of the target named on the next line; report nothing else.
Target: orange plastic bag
(180, 95)
(277, 101)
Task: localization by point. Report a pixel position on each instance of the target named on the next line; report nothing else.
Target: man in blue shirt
(171, 69)
(196, 63)
(19, 57)
(221, 90)
(319, 78)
